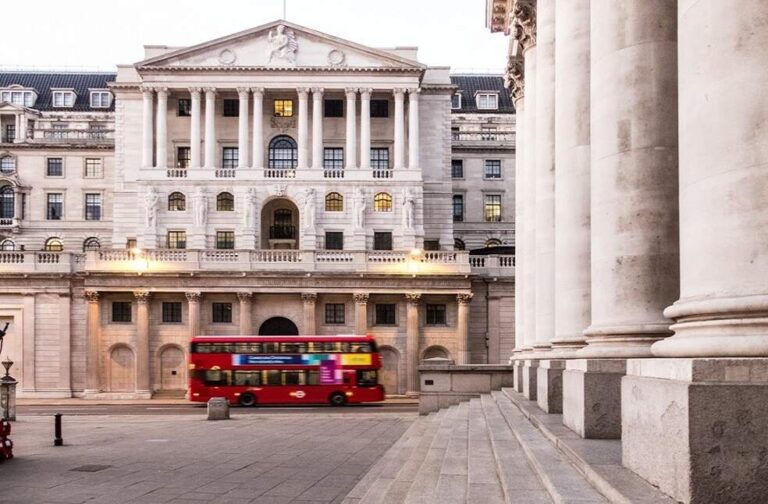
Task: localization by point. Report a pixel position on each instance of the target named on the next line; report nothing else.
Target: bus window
(345, 346)
(360, 347)
(201, 348)
(293, 378)
(270, 347)
(248, 378)
(293, 347)
(313, 378)
(273, 377)
(331, 346)
(366, 378)
(247, 348)
(315, 347)
(216, 378)
(221, 348)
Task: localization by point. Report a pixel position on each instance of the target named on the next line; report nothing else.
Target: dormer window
(64, 99)
(456, 101)
(20, 97)
(487, 101)
(101, 99)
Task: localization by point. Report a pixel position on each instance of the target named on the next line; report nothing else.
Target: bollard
(218, 408)
(57, 440)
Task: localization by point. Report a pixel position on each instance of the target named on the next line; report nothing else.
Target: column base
(592, 397)
(530, 368)
(518, 375)
(549, 384)
(697, 428)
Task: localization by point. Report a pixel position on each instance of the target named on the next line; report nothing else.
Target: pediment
(280, 45)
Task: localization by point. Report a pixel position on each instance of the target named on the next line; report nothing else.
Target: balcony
(282, 232)
(12, 261)
(72, 136)
(483, 139)
(492, 265)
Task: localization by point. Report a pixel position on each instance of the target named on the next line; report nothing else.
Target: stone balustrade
(309, 174)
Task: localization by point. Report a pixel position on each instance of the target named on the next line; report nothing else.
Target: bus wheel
(247, 399)
(338, 399)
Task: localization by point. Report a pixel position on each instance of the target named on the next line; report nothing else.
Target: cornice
(241, 69)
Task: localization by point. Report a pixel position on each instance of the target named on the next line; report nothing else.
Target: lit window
(101, 99)
(334, 202)
(93, 168)
(176, 240)
(492, 208)
(225, 239)
(91, 243)
(93, 206)
(63, 99)
(225, 202)
(487, 101)
(55, 167)
(7, 164)
(55, 208)
(458, 208)
(177, 202)
(382, 202)
(493, 168)
(283, 108)
(456, 101)
(492, 242)
(54, 245)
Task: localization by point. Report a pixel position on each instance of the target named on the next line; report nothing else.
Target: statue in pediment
(282, 44)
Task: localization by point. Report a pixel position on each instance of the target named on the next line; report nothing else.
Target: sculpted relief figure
(282, 44)
(201, 207)
(309, 209)
(360, 209)
(250, 208)
(151, 201)
(409, 207)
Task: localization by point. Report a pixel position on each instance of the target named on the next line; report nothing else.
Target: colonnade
(251, 127)
(642, 217)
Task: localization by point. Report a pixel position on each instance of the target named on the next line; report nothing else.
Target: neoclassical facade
(642, 217)
(277, 180)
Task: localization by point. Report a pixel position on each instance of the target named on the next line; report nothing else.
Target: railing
(176, 172)
(104, 136)
(225, 173)
(333, 173)
(282, 232)
(504, 139)
(280, 173)
(8, 222)
(379, 173)
(12, 261)
(492, 265)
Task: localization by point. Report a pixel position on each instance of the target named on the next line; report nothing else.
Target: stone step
(483, 483)
(599, 460)
(561, 480)
(425, 480)
(452, 481)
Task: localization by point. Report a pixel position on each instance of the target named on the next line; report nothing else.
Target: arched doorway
(278, 326)
(388, 374)
(172, 369)
(280, 224)
(122, 370)
(436, 352)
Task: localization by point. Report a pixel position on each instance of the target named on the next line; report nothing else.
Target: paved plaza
(256, 458)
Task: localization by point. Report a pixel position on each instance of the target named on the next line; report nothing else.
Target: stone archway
(390, 369)
(172, 368)
(280, 224)
(278, 326)
(122, 370)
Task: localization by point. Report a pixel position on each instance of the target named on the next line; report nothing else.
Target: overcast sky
(103, 33)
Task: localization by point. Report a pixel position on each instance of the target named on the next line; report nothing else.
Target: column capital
(317, 91)
(244, 297)
(142, 296)
(91, 296)
(514, 77)
(309, 297)
(195, 91)
(398, 92)
(524, 23)
(210, 91)
(464, 298)
(302, 91)
(193, 296)
(360, 297)
(365, 93)
(162, 91)
(351, 93)
(257, 91)
(414, 92)
(413, 298)
(147, 90)
(243, 91)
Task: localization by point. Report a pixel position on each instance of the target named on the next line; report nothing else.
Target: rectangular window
(183, 157)
(382, 240)
(379, 108)
(333, 108)
(487, 101)
(435, 314)
(431, 244)
(185, 107)
(457, 168)
(380, 158)
(225, 239)
(334, 240)
(222, 313)
(333, 158)
(493, 168)
(456, 101)
(458, 208)
(100, 99)
(63, 99)
(121, 311)
(493, 208)
(130, 243)
(55, 210)
(334, 313)
(231, 108)
(10, 133)
(55, 167)
(171, 313)
(385, 314)
(176, 240)
(229, 157)
(283, 108)
(93, 206)
(93, 168)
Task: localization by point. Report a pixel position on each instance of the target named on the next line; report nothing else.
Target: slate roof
(469, 84)
(42, 82)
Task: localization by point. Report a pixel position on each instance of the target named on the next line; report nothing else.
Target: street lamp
(8, 392)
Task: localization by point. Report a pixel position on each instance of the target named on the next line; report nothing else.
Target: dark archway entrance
(278, 326)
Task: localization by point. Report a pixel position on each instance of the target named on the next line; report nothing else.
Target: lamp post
(8, 392)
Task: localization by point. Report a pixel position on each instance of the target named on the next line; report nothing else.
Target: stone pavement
(291, 458)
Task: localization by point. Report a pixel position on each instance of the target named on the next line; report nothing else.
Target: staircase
(497, 449)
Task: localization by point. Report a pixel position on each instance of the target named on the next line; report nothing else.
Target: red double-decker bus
(250, 370)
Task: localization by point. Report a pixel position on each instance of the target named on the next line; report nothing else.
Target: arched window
(334, 202)
(54, 245)
(7, 202)
(382, 202)
(7, 164)
(458, 244)
(493, 242)
(7, 245)
(91, 243)
(225, 202)
(283, 152)
(177, 202)
(283, 217)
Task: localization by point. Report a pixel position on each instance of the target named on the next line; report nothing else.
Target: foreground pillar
(142, 344)
(193, 302)
(705, 400)
(412, 343)
(93, 328)
(462, 328)
(246, 313)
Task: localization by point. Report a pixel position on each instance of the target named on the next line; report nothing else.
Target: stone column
(493, 331)
(706, 404)
(246, 313)
(161, 129)
(65, 344)
(350, 155)
(92, 343)
(210, 128)
(462, 328)
(146, 131)
(317, 128)
(18, 205)
(309, 300)
(413, 128)
(258, 127)
(365, 128)
(193, 307)
(142, 343)
(361, 313)
(572, 138)
(303, 127)
(412, 343)
(194, 128)
(516, 80)
(22, 131)
(399, 129)
(243, 141)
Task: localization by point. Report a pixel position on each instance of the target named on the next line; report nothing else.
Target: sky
(102, 33)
